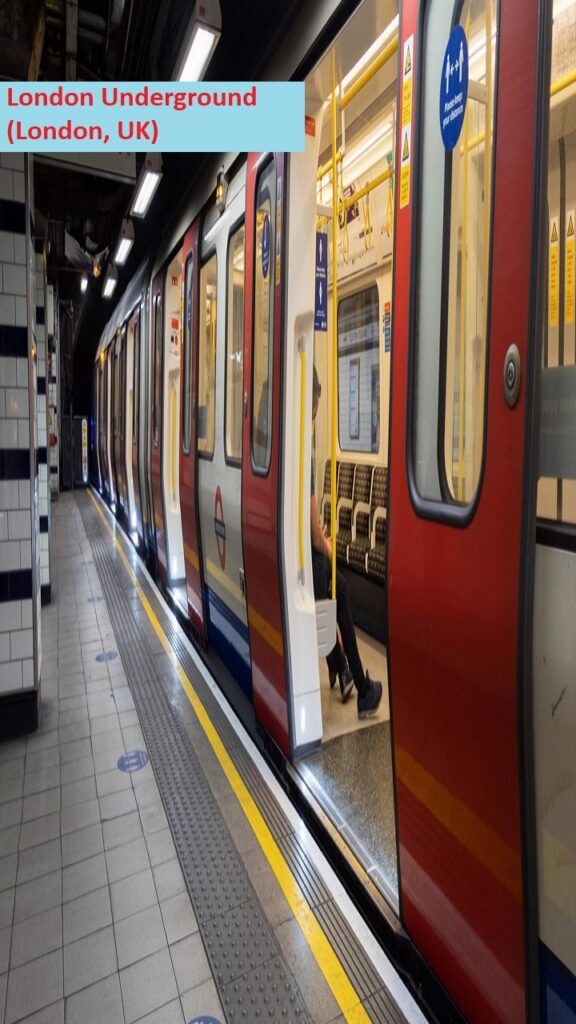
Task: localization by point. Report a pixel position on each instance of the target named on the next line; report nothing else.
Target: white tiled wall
(18, 508)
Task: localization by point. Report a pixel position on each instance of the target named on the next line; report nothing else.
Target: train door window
(187, 361)
(116, 387)
(453, 263)
(263, 319)
(359, 372)
(158, 367)
(122, 383)
(235, 345)
(207, 358)
(136, 381)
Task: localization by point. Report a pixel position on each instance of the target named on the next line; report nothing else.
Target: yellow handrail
(463, 290)
(369, 73)
(333, 513)
(301, 473)
(564, 82)
(173, 435)
(368, 187)
(327, 167)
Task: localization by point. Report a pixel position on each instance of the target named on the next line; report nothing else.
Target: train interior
(555, 568)
(355, 752)
(171, 428)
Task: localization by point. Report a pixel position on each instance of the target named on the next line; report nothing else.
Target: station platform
(151, 867)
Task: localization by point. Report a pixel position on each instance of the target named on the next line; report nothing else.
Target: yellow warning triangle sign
(405, 150)
(570, 227)
(408, 64)
(554, 237)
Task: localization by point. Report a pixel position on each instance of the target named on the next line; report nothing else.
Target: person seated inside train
(344, 660)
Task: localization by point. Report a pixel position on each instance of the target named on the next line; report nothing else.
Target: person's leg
(344, 616)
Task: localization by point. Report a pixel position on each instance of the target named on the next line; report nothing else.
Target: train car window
(116, 389)
(136, 381)
(158, 367)
(187, 361)
(359, 372)
(207, 357)
(235, 344)
(122, 383)
(557, 448)
(453, 247)
(263, 319)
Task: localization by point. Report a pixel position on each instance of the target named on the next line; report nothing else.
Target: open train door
(261, 446)
(461, 538)
(189, 445)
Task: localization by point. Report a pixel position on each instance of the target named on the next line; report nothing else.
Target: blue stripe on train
(558, 990)
(228, 636)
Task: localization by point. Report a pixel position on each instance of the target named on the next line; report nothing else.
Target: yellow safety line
(301, 464)
(336, 977)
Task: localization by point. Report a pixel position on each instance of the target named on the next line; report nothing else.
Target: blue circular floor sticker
(266, 246)
(107, 656)
(204, 1020)
(454, 87)
(133, 761)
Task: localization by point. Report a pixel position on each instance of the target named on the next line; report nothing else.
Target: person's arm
(322, 543)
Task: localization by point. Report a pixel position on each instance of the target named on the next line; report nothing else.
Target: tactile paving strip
(210, 910)
(219, 886)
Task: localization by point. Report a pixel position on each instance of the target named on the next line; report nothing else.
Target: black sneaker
(369, 702)
(346, 684)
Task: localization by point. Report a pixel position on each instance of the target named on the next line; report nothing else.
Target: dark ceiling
(118, 40)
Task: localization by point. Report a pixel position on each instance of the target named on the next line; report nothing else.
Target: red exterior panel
(260, 497)
(453, 597)
(189, 461)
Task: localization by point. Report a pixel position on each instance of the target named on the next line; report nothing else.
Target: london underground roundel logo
(220, 527)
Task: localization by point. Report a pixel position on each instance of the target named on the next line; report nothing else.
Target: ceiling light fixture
(125, 242)
(83, 283)
(200, 41)
(147, 183)
(110, 282)
(221, 190)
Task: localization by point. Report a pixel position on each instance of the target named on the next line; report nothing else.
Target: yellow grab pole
(369, 73)
(173, 441)
(327, 167)
(301, 467)
(368, 187)
(464, 272)
(333, 515)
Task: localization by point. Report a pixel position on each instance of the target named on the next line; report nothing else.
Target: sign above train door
(454, 87)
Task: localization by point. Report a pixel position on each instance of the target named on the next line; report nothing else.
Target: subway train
(420, 253)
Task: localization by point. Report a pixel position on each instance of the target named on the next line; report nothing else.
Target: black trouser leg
(336, 660)
(344, 617)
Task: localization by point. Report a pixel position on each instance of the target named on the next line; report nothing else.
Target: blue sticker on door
(266, 246)
(454, 87)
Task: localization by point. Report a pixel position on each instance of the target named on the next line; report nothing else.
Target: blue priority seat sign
(454, 87)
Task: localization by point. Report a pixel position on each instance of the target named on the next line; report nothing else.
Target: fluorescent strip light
(202, 46)
(144, 193)
(377, 45)
(83, 283)
(122, 250)
(110, 282)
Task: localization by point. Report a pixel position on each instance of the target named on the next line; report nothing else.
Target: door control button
(512, 375)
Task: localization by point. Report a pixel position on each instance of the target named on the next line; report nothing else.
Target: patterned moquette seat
(326, 500)
(376, 556)
(344, 508)
(361, 526)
